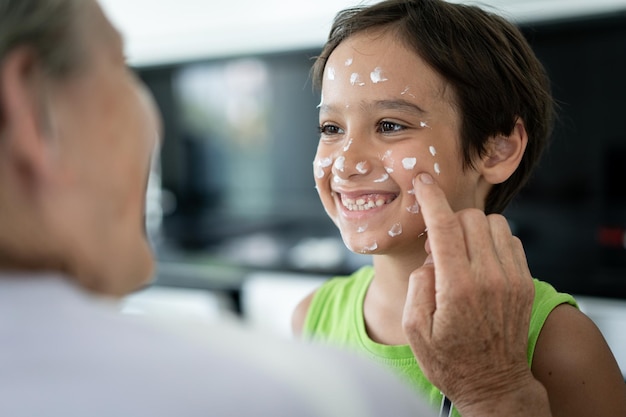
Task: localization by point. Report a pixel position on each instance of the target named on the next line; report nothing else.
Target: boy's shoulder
(346, 286)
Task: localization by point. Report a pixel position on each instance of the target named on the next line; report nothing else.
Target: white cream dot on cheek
(388, 161)
(349, 62)
(340, 163)
(437, 168)
(319, 165)
(325, 162)
(338, 180)
(347, 147)
(382, 178)
(409, 163)
(395, 230)
(414, 209)
(377, 75)
(432, 150)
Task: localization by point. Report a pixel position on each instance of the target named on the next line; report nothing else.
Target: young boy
(427, 86)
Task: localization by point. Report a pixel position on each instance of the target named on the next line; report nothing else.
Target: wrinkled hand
(468, 307)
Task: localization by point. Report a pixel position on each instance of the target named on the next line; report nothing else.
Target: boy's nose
(352, 158)
(348, 164)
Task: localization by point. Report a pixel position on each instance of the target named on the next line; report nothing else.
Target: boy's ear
(504, 154)
(24, 138)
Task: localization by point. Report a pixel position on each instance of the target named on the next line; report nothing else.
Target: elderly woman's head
(77, 132)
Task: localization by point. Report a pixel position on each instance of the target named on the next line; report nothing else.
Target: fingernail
(426, 179)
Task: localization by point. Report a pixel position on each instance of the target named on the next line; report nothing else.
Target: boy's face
(386, 116)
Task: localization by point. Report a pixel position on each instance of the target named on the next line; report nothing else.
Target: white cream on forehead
(330, 73)
(432, 150)
(349, 62)
(395, 230)
(377, 75)
(406, 91)
(321, 100)
(424, 124)
(437, 168)
(355, 79)
(409, 163)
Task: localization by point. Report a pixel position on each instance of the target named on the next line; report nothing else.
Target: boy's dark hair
(493, 72)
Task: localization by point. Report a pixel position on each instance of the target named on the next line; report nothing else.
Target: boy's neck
(384, 301)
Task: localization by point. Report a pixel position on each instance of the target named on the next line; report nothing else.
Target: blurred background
(233, 214)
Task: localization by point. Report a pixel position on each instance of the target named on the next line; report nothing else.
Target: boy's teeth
(364, 203)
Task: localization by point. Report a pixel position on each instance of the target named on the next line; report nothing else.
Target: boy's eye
(330, 130)
(389, 127)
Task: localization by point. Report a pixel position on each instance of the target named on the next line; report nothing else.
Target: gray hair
(50, 27)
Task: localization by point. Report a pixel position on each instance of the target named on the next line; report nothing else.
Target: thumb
(420, 304)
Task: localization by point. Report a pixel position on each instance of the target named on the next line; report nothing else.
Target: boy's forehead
(386, 68)
(362, 47)
(378, 59)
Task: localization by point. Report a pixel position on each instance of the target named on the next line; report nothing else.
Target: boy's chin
(359, 245)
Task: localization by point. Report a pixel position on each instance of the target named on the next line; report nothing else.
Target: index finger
(445, 233)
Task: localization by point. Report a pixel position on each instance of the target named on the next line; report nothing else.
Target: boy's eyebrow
(393, 104)
(399, 104)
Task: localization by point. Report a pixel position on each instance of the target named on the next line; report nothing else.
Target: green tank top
(336, 316)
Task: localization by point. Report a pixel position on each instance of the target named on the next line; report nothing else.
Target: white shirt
(64, 352)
